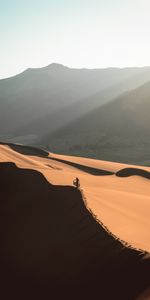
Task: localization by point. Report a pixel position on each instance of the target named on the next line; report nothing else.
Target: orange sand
(121, 203)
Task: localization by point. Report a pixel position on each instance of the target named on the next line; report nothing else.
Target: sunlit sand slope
(51, 242)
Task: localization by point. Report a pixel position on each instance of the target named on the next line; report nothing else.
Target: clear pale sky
(76, 33)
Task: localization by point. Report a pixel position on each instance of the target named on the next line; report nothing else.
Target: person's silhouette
(76, 182)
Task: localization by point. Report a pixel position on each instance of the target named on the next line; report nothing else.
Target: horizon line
(73, 68)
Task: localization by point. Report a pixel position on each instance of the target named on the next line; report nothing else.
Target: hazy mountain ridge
(42, 100)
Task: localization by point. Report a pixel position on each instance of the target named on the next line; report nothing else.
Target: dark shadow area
(53, 248)
(27, 150)
(133, 171)
(90, 170)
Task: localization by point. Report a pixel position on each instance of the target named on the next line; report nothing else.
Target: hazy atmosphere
(80, 34)
(75, 149)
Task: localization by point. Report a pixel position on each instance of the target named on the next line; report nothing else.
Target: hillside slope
(117, 131)
(39, 101)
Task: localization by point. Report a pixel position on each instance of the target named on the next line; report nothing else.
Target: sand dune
(27, 150)
(87, 169)
(52, 244)
(94, 163)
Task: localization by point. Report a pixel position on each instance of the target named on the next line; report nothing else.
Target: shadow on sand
(90, 170)
(53, 248)
(133, 171)
(27, 150)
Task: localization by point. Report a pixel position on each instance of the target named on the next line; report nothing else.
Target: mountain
(117, 131)
(39, 101)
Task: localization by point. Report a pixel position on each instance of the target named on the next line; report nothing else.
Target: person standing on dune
(76, 182)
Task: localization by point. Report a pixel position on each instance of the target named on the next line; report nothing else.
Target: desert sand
(64, 242)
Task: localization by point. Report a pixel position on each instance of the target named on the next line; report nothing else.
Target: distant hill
(117, 131)
(38, 102)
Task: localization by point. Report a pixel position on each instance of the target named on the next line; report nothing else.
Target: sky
(75, 33)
